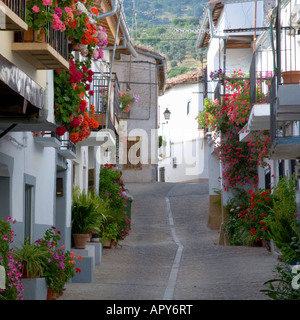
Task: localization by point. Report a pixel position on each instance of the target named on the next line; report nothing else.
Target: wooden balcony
(49, 52)
(13, 15)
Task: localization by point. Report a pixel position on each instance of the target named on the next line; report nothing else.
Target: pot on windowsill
(291, 77)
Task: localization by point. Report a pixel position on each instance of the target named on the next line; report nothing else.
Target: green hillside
(160, 24)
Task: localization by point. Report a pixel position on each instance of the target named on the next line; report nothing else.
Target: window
(29, 202)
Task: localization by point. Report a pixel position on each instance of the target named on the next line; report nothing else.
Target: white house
(37, 168)
(183, 147)
(229, 31)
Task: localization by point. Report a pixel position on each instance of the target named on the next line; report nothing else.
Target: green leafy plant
(86, 212)
(280, 288)
(112, 190)
(110, 232)
(283, 224)
(33, 259)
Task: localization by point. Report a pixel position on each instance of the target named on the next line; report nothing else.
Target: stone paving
(171, 254)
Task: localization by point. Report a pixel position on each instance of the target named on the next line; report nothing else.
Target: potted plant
(291, 77)
(127, 100)
(86, 216)
(60, 266)
(95, 237)
(109, 234)
(34, 260)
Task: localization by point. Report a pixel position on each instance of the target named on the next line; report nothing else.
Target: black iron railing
(67, 145)
(273, 120)
(287, 126)
(100, 99)
(260, 77)
(56, 39)
(51, 134)
(286, 41)
(17, 6)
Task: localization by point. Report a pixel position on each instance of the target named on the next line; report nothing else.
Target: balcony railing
(36, 50)
(17, 6)
(260, 77)
(285, 129)
(100, 99)
(286, 40)
(67, 145)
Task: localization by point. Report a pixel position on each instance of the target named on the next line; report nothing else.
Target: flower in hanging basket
(127, 100)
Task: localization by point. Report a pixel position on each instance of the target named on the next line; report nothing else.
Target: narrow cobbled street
(171, 254)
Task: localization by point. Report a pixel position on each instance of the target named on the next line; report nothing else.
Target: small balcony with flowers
(260, 78)
(13, 15)
(76, 91)
(285, 88)
(45, 44)
(104, 109)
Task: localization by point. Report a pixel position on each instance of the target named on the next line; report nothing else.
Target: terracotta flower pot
(34, 35)
(291, 77)
(51, 295)
(80, 240)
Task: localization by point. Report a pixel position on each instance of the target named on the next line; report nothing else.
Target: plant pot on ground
(86, 216)
(95, 237)
(33, 259)
(109, 234)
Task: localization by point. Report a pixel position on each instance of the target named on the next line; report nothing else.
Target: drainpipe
(110, 13)
(110, 72)
(127, 43)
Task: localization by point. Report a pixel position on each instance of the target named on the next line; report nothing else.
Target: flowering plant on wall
(72, 88)
(249, 216)
(127, 100)
(12, 288)
(78, 19)
(239, 159)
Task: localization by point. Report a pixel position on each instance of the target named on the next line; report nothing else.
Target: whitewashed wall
(185, 145)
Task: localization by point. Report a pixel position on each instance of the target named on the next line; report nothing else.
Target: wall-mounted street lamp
(167, 114)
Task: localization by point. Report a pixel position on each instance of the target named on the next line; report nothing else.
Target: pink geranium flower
(47, 2)
(35, 9)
